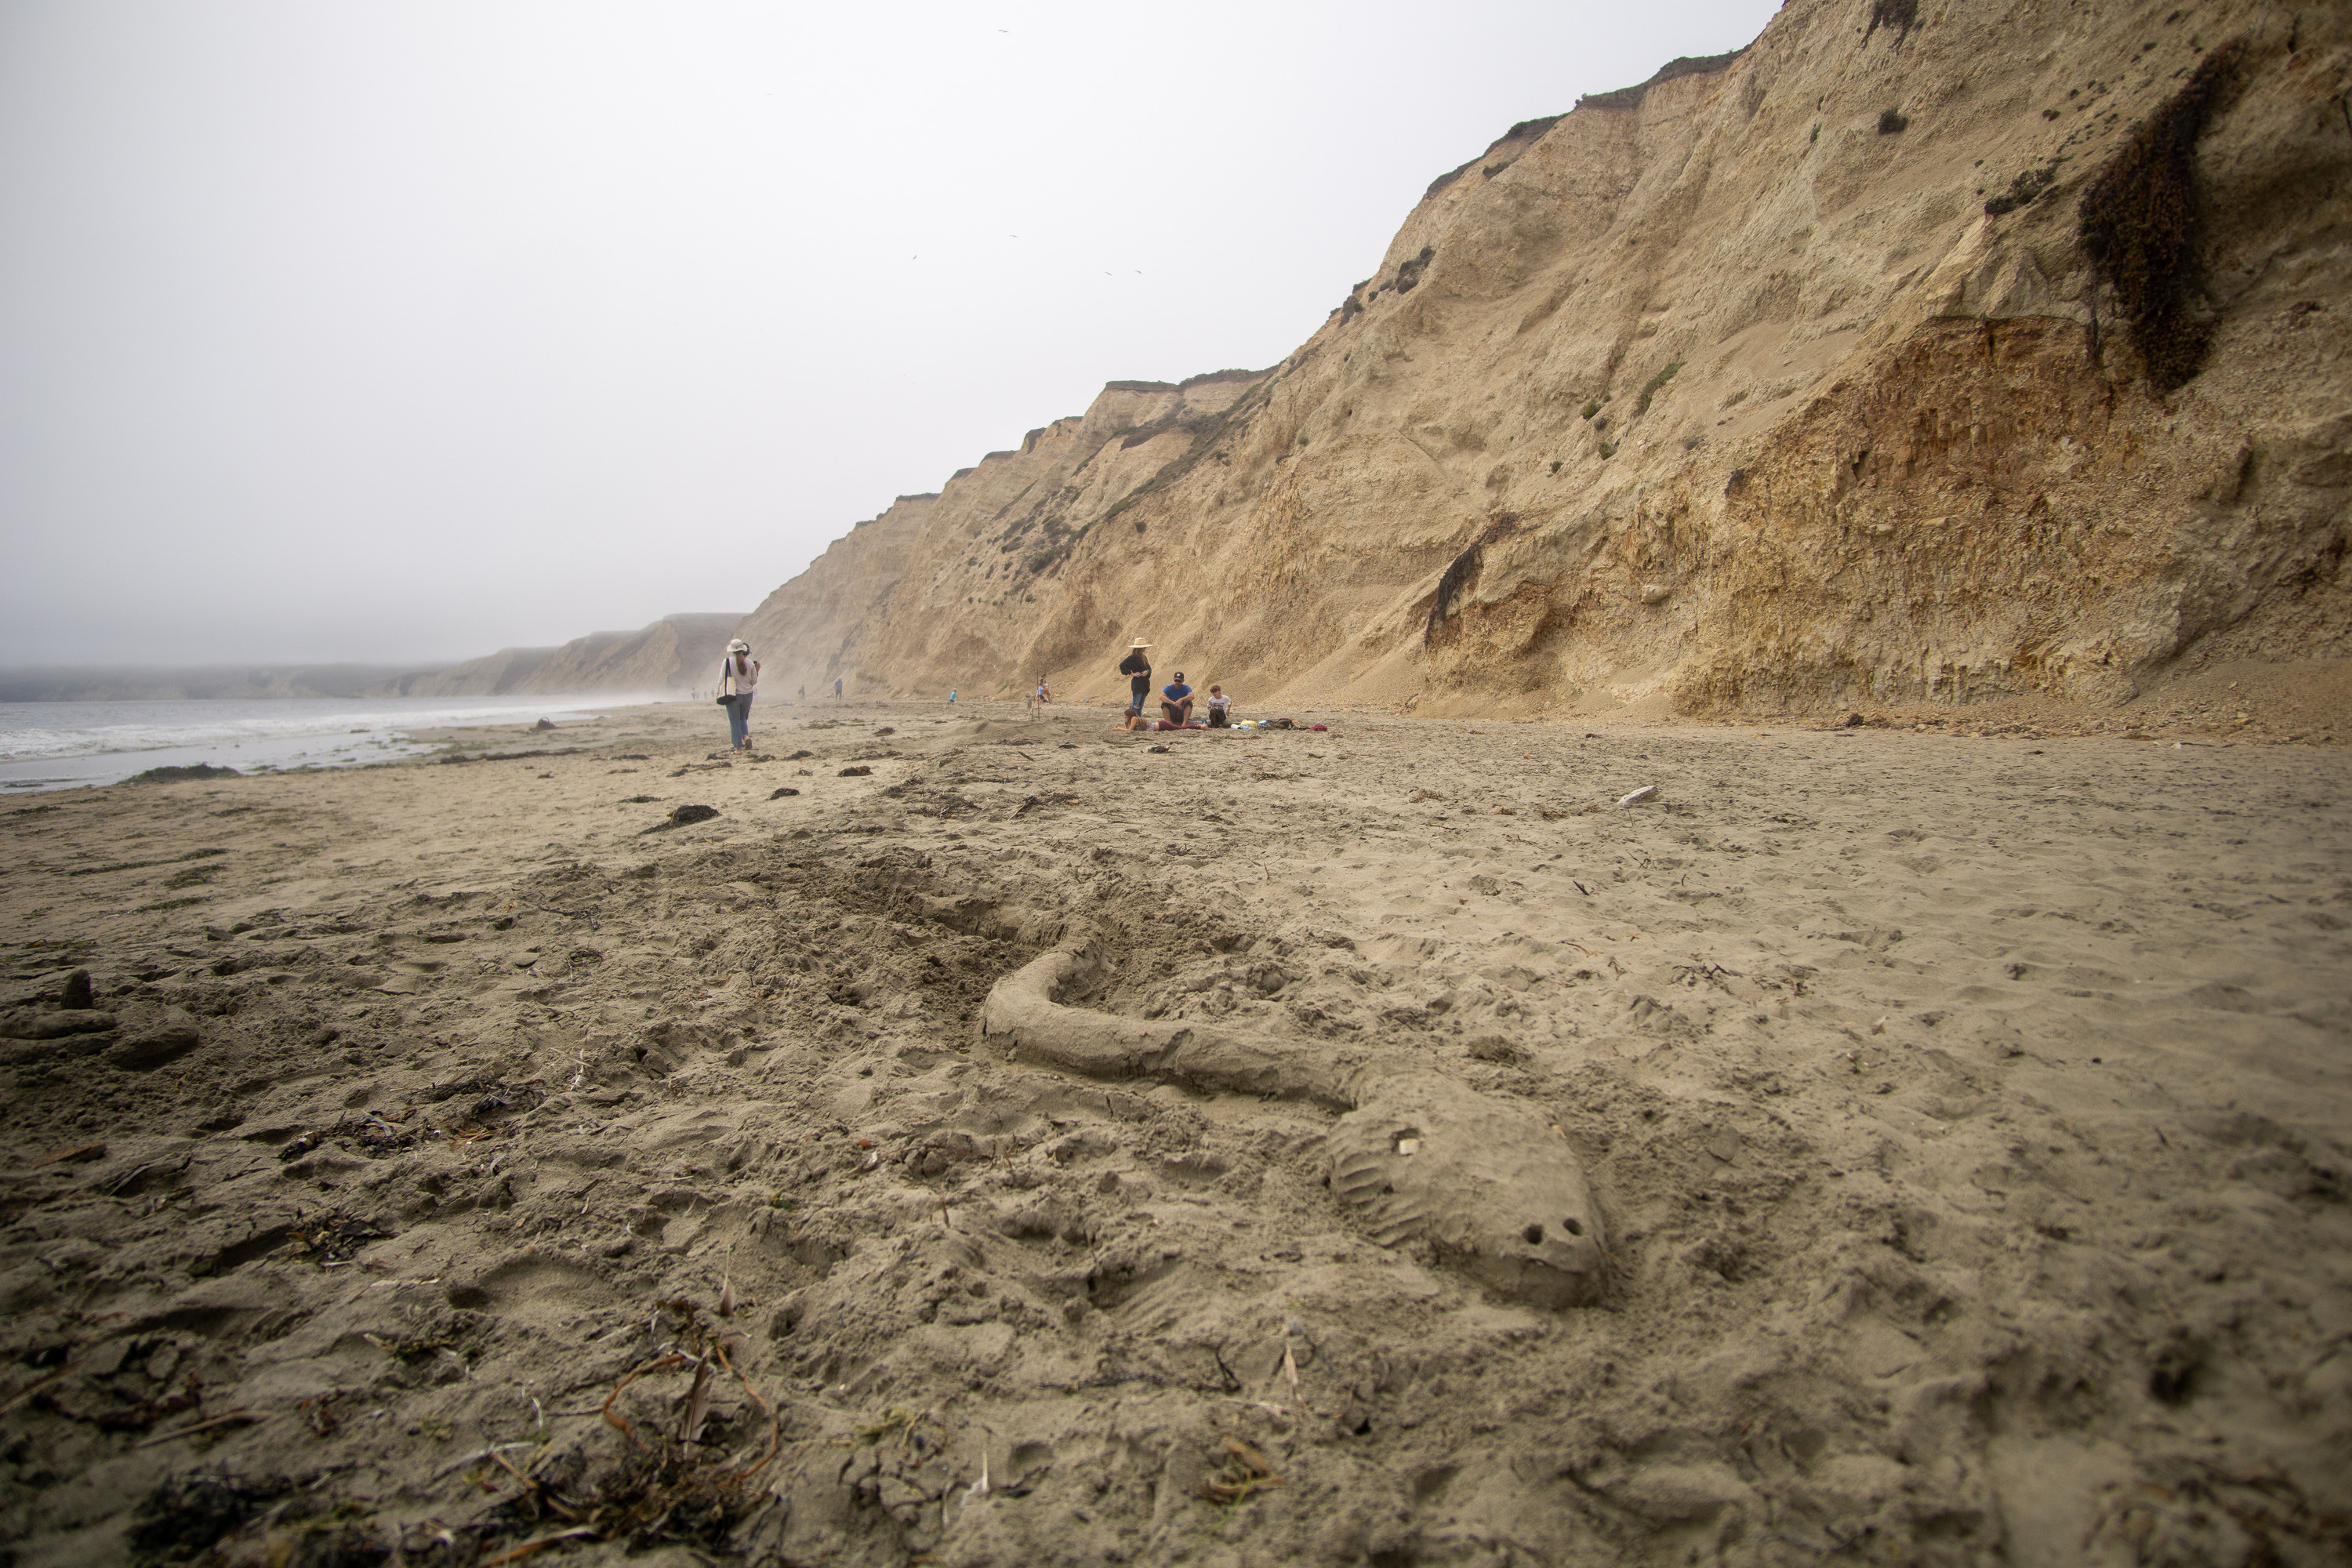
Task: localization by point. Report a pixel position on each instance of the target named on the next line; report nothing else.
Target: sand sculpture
(1490, 1185)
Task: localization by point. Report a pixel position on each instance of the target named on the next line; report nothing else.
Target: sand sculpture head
(1493, 1189)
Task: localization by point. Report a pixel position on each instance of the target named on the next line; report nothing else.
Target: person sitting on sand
(739, 673)
(1176, 704)
(1220, 709)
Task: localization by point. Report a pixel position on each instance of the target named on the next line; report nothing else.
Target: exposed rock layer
(1785, 381)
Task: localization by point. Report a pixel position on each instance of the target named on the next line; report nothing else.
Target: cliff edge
(671, 654)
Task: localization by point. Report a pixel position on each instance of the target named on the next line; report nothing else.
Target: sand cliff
(670, 655)
(1786, 380)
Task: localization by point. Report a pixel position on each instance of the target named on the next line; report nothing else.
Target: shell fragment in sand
(1647, 792)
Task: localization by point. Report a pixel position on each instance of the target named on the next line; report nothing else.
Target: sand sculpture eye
(1533, 1236)
(1573, 1227)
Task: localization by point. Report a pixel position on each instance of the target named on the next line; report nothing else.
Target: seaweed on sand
(677, 1480)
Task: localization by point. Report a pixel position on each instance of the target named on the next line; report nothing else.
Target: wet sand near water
(1970, 1119)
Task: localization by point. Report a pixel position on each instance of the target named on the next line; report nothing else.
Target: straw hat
(739, 646)
(1139, 643)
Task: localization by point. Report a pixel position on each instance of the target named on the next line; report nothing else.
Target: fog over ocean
(59, 745)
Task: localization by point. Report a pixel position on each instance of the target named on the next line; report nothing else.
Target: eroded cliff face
(673, 654)
(1782, 382)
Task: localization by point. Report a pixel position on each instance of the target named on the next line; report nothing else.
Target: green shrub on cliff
(1650, 387)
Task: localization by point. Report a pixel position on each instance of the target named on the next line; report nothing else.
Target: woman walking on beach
(739, 673)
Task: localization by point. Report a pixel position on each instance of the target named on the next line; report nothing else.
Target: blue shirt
(1175, 691)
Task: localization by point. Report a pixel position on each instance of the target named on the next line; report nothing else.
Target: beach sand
(1967, 1118)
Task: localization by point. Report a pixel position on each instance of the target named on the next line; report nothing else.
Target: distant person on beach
(1220, 709)
(1136, 668)
(1045, 692)
(1176, 704)
(739, 673)
(803, 693)
(836, 690)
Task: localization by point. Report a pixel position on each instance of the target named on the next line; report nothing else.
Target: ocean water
(59, 745)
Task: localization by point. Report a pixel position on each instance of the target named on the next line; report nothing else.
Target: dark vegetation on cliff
(2140, 225)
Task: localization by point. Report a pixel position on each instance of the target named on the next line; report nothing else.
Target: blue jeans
(738, 719)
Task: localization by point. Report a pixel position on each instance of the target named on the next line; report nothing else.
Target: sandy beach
(452, 1163)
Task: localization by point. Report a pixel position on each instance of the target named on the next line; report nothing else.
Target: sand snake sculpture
(1493, 1187)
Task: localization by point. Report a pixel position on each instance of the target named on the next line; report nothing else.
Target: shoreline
(1970, 1124)
(242, 734)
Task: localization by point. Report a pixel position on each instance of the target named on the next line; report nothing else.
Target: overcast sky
(401, 331)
